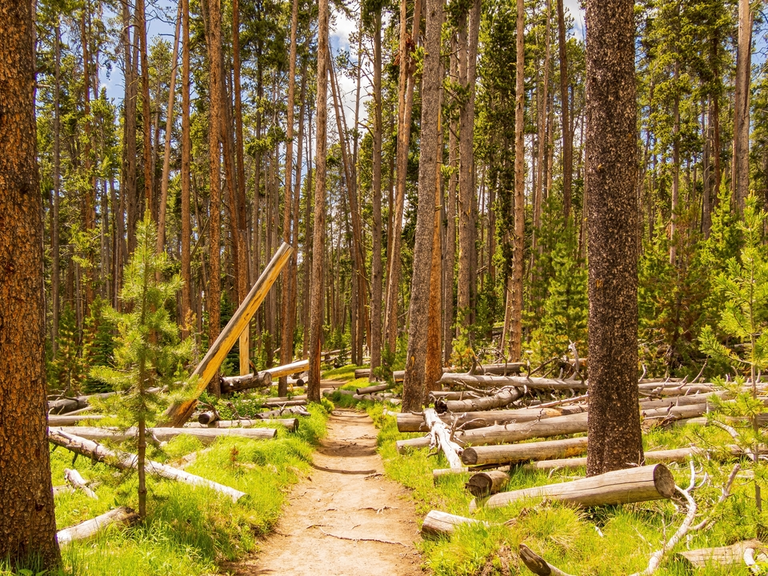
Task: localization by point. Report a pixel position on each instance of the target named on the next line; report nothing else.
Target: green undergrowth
(602, 541)
(189, 530)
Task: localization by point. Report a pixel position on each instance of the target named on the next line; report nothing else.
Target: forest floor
(346, 518)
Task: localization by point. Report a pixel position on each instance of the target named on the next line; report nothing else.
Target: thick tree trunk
(740, 164)
(128, 190)
(611, 168)
(565, 111)
(450, 216)
(318, 240)
(186, 152)
(27, 524)
(415, 367)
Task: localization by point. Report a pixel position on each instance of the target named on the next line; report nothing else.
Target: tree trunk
(541, 112)
(27, 525)
(611, 168)
(413, 384)
(318, 240)
(145, 106)
(740, 165)
(376, 267)
(186, 152)
(288, 317)
(450, 216)
(565, 112)
(55, 252)
(405, 107)
(128, 186)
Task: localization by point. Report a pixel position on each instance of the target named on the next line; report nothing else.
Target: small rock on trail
(346, 518)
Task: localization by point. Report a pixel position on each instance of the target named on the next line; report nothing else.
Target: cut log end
(665, 482)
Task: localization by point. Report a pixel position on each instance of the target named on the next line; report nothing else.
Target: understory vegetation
(600, 541)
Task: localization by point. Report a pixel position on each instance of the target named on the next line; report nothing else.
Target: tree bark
(376, 267)
(614, 426)
(27, 525)
(318, 240)
(565, 111)
(740, 165)
(186, 152)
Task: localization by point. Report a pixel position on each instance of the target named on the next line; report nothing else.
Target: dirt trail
(346, 519)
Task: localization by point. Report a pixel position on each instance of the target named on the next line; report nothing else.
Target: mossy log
(639, 484)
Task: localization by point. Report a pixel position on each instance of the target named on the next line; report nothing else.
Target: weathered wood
(486, 381)
(374, 389)
(291, 424)
(208, 417)
(179, 412)
(439, 523)
(119, 516)
(68, 420)
(78, 482)
(288, 369)
(503, 397)
(723, 555)
(282, 401)
(453, 395)
(500, 369)
(516, 453)
(231, 384)
(205, 435)
(407, 422)
(537, 564)
(485, 483)
(126, 461)
(656, 456)
(638, 484)
(295, 410)
(441, 437)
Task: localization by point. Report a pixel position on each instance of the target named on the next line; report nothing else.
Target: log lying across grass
(291, 424)
(469, 420)
(119, 516)
(443, 524)
(722, 556)
(77, 482)
(516, 453)
(503, 397)
(638, 484)
(374, 389)
(231, 384)
(537, 564)
(126, 461)
(295, 410)
(68, 419)
(163, 434)
(483, 484)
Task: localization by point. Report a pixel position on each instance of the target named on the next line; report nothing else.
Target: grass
(602, 541)
(188, 531)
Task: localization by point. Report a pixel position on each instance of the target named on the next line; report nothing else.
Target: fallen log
(722, 556)
(503, 397)
(441, 437)
(443, 524)
(374, 389)
(440, 473)
(295, 410)
(407, 422)
(70, 419)
(78, 482)
(537, 564)
(483, 484)
(208, 417)
(126, 461)
(516, 453)
(279, 401)
(179, 412)
(453, 395)
(288, 369)
(231, 384)
(206, 435)
(500, 369)
(485, 381)
(119, 516)
(65, 405)
(638, 484)
(291, 424)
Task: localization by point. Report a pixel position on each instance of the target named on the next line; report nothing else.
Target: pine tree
(148, 352)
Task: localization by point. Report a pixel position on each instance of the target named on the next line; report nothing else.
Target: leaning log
(638, 484)
(516, 453)
(503, 397)
(722, 556)
(443, 524)
(288, 369)
(119, 516)
(126, 461)
(77, 482)
(231, 384)
(486, 381)
(441, 437)
(179, 412)
(484, 484)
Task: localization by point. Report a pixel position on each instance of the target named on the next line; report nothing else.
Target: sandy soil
(345, 519)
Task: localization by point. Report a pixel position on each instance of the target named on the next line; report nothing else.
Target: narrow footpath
(346, 518)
